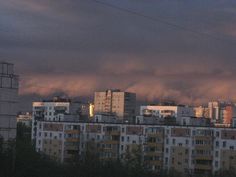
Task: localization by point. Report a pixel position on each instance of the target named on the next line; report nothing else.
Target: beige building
(201, 111)
(8, 101)
(122, 104)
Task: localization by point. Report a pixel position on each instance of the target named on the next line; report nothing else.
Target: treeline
(19, 159)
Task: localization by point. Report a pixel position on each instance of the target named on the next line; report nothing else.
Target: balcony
(202, 157)
(203, 167)
(156, 135)
(72, 139)
(72, 131)
(153, 153)
(155, 162)
(113, 133)
(154, 144)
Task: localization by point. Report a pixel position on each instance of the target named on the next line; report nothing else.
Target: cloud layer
(179, 50)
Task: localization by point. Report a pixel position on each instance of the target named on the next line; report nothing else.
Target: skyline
(78, 47)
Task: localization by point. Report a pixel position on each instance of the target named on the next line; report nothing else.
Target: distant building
(229, 112)
(25, 118)
(214, 111)
(221, 112)
(234, 122)
(91, 110)
(8, 101)
(58, 109)
(166, 112)
(201, 112)
(122, 104)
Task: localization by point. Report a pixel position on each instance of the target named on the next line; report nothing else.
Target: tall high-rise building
(214, 111)
(122, 104)
(221, 112)
(8, 101)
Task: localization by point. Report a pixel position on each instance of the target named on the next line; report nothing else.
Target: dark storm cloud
(184, 51)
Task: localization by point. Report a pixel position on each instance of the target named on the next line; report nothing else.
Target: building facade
(9, 83)
(177, 112)
(25, 118)
(222, 113)
(121, 104)
(187, 149)
(49, 110)
(201, 111)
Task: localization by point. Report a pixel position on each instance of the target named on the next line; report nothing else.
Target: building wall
(168, 111)
(122, 104)
(185, 149)
(48, 111)
(8, 101)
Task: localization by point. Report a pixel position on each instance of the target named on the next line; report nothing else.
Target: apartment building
(221, 113)
(201, 111)
(187, 149)
(116, 102)
(49, 110)
(177, 112)
(59, 109)
(8, 101)
(24, 118)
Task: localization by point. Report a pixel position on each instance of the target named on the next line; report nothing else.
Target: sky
(182, 50)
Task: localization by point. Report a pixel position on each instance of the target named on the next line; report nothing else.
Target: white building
(176, 112)
(50, 110)
(8, 100)
(187, 149)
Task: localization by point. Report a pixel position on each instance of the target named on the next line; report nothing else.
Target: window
(167, 141)
(173, 141)
(122, 147)
(186, 151)
(166, 161)
(224, 144)
(216, 164)
(217, 143)
(122, 139)
(216, 154)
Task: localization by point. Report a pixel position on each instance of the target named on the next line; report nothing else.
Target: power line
(160, 20)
